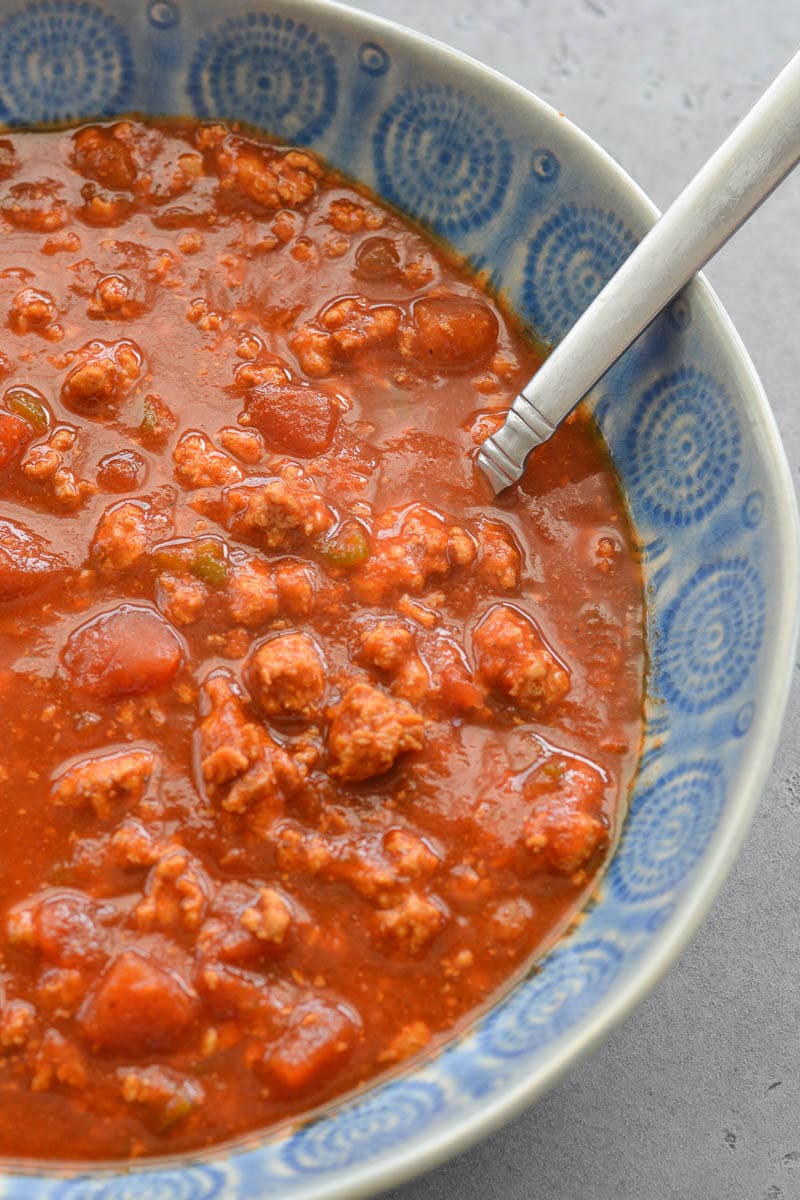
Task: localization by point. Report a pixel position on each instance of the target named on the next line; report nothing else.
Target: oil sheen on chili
(308, 744)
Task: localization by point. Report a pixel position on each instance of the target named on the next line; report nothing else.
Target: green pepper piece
(28, 404)
(209, 565)
(347, 548)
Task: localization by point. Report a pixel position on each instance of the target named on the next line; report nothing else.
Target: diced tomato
(123, 652)
(453, 331)
(319, 1035)
(14, 433)
(25, 563)
(139, 1007)
(294, 419)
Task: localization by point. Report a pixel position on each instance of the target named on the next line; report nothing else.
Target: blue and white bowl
(530, 200)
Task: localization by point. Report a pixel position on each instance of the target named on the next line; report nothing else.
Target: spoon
(750, 163)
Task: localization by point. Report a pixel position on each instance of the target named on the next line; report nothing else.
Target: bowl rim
(402, 1163)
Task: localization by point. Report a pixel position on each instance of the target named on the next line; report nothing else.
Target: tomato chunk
(139, 1006)
(453, 331)
(294, 419)
(123, 652)
(25, 563)
(319, 1036)
(14, 433)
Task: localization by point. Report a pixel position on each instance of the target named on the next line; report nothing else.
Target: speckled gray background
(698, 1094)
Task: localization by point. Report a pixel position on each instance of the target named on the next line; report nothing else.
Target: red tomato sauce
(308, 744)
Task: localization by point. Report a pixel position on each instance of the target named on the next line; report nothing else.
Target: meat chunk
(17, 1023)
(26, 561)
(247, 925)
(369, 730)
(411, 925)
(567, 825)
(181, 600)
(103, 374)
(499, 557)
(251, 592)
(342, 331)
(139, 1007)
(106, 780)
(410, 548)
(51, 465)
(124, 651)
(319, 1035)
(271, 178)
(515, 661)
(176, 893)
(101, 154)
(276, 513)
(164, 1095)
(415, 859)
(127, 531)
(240, 764)
(198, 462)
(32, 309)
(287, 676)
(269, 918)
(58, 1061)
(387, 645)
(450, 333)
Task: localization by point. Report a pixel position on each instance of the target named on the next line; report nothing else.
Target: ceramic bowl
(533, 202)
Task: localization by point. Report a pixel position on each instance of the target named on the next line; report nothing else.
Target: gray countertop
(698, 1093)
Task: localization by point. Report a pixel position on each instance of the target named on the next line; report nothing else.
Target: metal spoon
(761, 151)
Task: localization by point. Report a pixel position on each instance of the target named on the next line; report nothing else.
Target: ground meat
(128, 530)
(276, 513)
(272, 178)
(176, 893)
(167, 1096)
(106, 780)
(414, 857)
(251, 591)
(17, 1023)
(180, 599)
(409, 549)
(567, 825)
(269, 919)
(368, 730)
(499, 557)
(139, 1007)
(50, 464)
(287, 676)
(387, 645)
(35, 310)
(102, 376)
(411, 925)
(514, 660)
(408, 1040)
(100, 154)
(342, 331)
(198, 462)
(58, 1061)
(240, 763)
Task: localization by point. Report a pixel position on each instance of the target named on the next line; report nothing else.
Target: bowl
(532, 202)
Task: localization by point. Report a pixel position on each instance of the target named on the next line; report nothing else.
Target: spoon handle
(749, 164)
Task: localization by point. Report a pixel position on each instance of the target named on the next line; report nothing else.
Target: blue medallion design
(60, 61)
(711, 636)
(268, 70)
(667, 832)
(198, 1183)
(683, 448)
(571, 258)
(373, 59)
(443, 158)
(397, 1112)
(565, 988)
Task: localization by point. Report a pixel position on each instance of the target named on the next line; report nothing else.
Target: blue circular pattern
(668, 831)
(392, 1115)
(711, 636)
(571, 258)
(679, 314)
(753, 510)
(545, 166)
(569, 983)
(683, 448)
(269, 70)
(59, 61)
(744, 719)
(373, 59)
(442, 157)
(193, 1183)
(163, 14)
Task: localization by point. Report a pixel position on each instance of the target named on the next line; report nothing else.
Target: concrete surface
(698, 1094)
